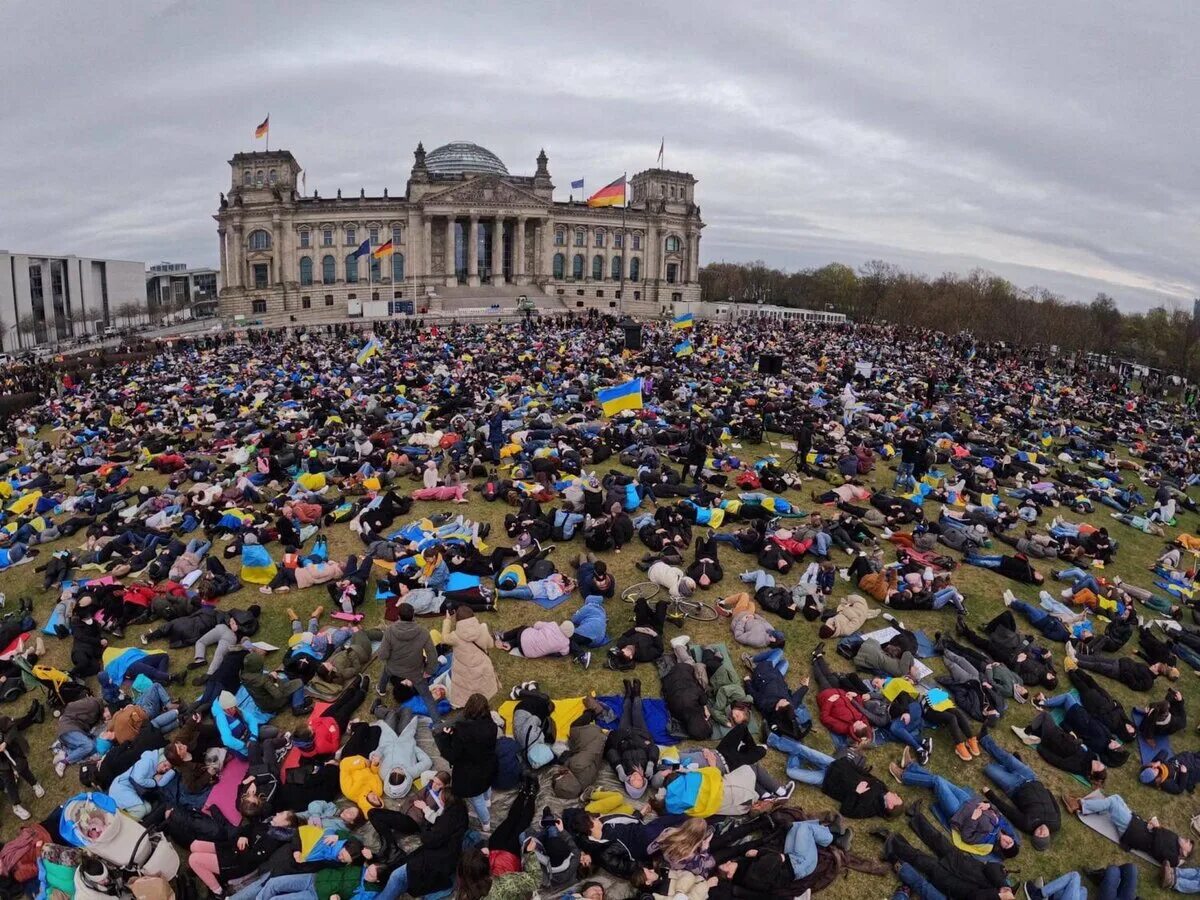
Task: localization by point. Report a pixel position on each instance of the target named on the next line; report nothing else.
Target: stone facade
(464, 227)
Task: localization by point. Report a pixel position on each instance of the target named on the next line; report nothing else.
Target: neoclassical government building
(464, 230)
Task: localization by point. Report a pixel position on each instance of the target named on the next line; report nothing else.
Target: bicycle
(690, 609)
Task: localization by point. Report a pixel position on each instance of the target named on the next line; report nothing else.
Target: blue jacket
(587, 582)
(591, 620)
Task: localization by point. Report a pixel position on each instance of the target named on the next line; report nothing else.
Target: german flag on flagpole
(264, 128)
(383, 250)
(612, 194)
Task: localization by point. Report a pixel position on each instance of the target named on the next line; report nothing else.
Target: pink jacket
(544, 639)
(321, 573)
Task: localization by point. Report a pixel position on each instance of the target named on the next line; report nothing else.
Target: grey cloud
(1051, 144)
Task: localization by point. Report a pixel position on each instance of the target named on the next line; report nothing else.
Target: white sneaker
(680, 641)
(60, 768)
(20, 812)
(1009, 597)
(39, 791)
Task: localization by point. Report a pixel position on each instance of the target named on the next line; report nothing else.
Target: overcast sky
(1051, 143)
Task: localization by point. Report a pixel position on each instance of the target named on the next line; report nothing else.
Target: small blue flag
(363, 249)
(577, 185)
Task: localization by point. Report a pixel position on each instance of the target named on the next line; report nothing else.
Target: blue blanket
(1150, 750)
(658, 719)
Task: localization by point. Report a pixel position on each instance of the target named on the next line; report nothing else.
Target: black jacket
(471, 751)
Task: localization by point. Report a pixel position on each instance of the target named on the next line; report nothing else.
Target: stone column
(281, 250)
(239, 257)
(498, 250)
(473, 253)
(425, 269)
(451, 276)
(224, 257)
(519, 275)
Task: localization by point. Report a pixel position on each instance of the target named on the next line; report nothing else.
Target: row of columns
(518, 272)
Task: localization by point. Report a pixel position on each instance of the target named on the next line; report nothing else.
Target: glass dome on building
(459, 157)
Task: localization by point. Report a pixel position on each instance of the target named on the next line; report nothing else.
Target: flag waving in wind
(383, 250)
(370, 348)
(624, 396)
(577, 185)
(363, 249)
(612, 194)
(263, 129)
(687, 320)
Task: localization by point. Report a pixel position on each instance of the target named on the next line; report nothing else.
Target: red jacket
(838, 712)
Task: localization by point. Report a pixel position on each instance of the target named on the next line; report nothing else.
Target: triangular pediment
(484, 190)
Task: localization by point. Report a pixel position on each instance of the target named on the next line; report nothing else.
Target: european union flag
(363, 249)
(577, 185)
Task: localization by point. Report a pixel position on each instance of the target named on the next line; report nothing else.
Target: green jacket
(518, 885)
(267, 693)
(343, 881)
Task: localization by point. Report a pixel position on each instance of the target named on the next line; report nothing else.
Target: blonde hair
(678, 843)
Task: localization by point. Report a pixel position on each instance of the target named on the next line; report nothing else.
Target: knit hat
(567, 627)
(1149, 774)
(227, 700)
(635, 793)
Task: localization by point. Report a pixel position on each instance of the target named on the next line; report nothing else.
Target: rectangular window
(350, 241)
(261, 275)
(560, 239)
(329, 299)
(672, 273)
(259, 305)
(397, 234)
(637, 242)
(618, 240)
(304, 239)
(327, 237)
(306, 302)
(374, 237)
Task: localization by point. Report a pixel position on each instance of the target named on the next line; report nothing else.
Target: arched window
(599, 237)
(397, 266)
(597, 268)
(247, 178)
(635, 269)
(560, 237)
(258, 178)
(580, 238)
(273, 176)
(616, 268)
(260, 240)
(674, 245)
(351, 269)
(328, 270)
(560, 266)
(577, 267)
(351, 239)
(305, 270)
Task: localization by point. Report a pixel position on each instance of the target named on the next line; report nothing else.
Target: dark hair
(476, 707)
(600, 569)
(462, 611)
(354, 847)
(256, 610)
(405, 612)
(474, 876)
(825, 632)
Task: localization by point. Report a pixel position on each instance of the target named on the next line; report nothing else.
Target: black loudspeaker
(770, 364)
(633, 336)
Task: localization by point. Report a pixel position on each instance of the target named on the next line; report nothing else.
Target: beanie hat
(1040, 842)
(635, 793)
(227, 700)
(567, 627)
(1149, 774)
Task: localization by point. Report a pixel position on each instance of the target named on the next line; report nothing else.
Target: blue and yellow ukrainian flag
(684, 348)
(622, 397)
(687, 320)
(370, 348)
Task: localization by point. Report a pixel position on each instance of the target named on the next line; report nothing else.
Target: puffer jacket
(471, 670)
(874, 658)
(320, 573)
(682, 884)
(852, 613)
(666, 576)
(748, 627)
(591, 620)
(838, 712)
(585, 756)
(401, 752)
(544, 639)
(878, 584)
(358, 778)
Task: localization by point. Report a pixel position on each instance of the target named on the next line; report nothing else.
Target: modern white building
(784, 313)
(174, 288)
(47, 298)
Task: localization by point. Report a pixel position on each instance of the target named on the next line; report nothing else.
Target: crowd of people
(884, 476)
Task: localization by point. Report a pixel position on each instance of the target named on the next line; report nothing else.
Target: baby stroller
(59, 687)
(92, 822)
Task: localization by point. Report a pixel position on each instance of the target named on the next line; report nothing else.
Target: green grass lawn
(1075, 847)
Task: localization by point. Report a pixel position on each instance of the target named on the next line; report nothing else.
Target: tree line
(988, 306)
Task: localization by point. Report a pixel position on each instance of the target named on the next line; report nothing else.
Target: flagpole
(624, 239)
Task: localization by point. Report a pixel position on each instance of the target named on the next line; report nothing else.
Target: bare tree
(29, 326)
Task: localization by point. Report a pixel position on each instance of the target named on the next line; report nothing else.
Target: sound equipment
(633, 335)
(770, 364)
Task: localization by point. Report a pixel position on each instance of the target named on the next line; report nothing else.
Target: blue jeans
(1062, 701)
(1120, 882)
(821, 543)
(947, 796)
(759, 579)
(1114, 807)
(642, 521)
(908, 734)
(480, 804)
(1065, 887)
(805, 764)
(521, 592)
(730, 538)
(801, 844)
(946, 596)
(1187, 881)
(298, 699)
(1079, 579)
(1050, 627)
(775, 657)
(78, 746)
(250, 891)
(290, 887)
(397, 884)
(904, 474)
(1007, 771)
(984, 560)
(918, 884)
